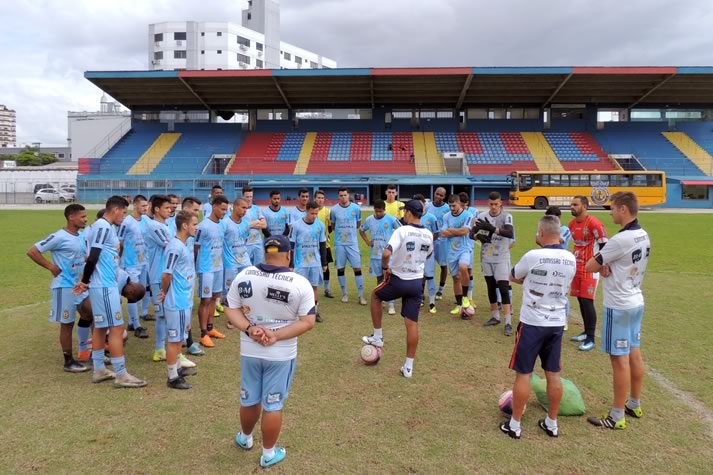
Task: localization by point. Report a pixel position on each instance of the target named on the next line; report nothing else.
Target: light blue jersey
(69, 251)
(565, 236)
(296, 214)
(179, 264)
(104, 238)
(157, 238)
(253, 214)
(210, 239)
(235, 240)
(345, 220)
(306, 239)
(438, 211)
(171, 223)
(207, 209)
(473, 213)
(430, 222)
(132, 239)
(458, 244)
(380, 231)
(277, 221)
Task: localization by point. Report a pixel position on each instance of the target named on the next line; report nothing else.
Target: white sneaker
(128, 381)
(405, 372)
(345, 298)
(392, 310)
(185, 362)
(102, 375)
(362, 301)
(372, 340)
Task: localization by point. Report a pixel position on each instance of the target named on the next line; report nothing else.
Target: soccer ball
(505, 403)
(467, 313)
(370, 354)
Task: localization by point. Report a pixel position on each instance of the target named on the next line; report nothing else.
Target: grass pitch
(345, 417)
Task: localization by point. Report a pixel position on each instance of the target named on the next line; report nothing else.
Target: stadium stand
(198, 142)
(578, 151)
(130, 148)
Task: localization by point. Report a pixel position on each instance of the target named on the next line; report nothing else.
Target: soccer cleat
(159, 355)
(328, 293)
(392, 310)
(508, 329)
(206, 342)
(345, 298)
(148, 318)
(439, 295)
(243, 441)
(128, 381)
(505, 429)
(492, 322)
(636, 412)
(184, 362)
(183, 372)
(216, 334)
(216, 314)
(318, 318)
(141, 332)
(178, 383)
(457, 310)
(101, 375)
(74, 366)
(432, 308)
(362, 301)
(84, 356)
(195, 350)
(581, 337)
(130, 327)
(219, 307)
(588, 345)
(406, 372)
(607, 422)
(551, 432)
(372, 340)
(279, 456)
(466, 302)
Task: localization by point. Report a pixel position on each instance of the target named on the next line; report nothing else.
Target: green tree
(31, 157)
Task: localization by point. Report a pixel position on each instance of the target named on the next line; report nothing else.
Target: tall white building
(223, 45)
(92, 134)
(8, 127)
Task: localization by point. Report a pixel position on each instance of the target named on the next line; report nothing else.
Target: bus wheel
(540, 202)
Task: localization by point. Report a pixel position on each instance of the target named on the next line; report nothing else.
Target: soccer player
(494, 230)
(465, 201)
(277, 218)
(393, 206)
(309, 249)
(380, 227)
(622, 264)
(171, 221)
(100, 277)
(192, 205)
(209, 266)
(272, 307)
(298, 212)
(456, 226)
(346, 219)
(177, 279)
(565, 233)
(68, 250)
(207, 208)
(235, 241)
(324, 216)
(133, 258)
(257, 224)
(429, 222)
(157, 237)
(439, 208)
(545, 275)
(589, 236)
(403, 261)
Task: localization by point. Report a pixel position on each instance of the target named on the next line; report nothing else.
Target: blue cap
(415, 206)
(278, 243)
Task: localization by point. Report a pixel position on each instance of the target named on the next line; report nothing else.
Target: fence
(97, 191)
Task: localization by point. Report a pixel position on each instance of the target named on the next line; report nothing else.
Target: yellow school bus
(539, 190)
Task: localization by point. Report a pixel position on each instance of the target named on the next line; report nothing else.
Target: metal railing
(106, 143)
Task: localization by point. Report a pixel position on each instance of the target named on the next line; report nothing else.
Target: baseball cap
(278, 243)
(415, 206)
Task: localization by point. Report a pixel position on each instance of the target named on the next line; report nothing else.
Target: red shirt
(587, 236)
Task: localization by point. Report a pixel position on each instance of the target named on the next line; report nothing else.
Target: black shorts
(409, 291)
(330, 259)
(531, 342)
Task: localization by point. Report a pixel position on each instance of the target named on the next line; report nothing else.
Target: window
(638, 180)
(258, 46)
(179, 35)
(298, 60)
(288, 57)
(654, 180)
(220, 33)
(313, 65)
(179, 54)
(694, 192)
(250, 16)
(158, 55)
(244, 58)
(202, 51)
(158, 37)
(220, 51)
(202, 33)
(243, 41)
(259, 63)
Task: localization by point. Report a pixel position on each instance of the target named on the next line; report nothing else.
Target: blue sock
(431, 283)
(83, 335)
(98, 359)
(470, 286)
(145, 304)
(360, 284)
(119, 365)
(343, 283)
(160, 332)
(326, 285)
(133, 309)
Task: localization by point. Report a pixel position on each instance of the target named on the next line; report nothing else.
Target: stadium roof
(429, 87)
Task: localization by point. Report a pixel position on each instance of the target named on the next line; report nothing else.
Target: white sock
(173, 371)
(409, 364)
(470, 295)
(268, 453)
(378, 334)
(514, 425)
(550, 423)
(432, 299)
(391, 304)
(508, 319)
(248, 438)
(495, 314)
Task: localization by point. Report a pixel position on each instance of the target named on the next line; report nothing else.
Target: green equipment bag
(572, 403)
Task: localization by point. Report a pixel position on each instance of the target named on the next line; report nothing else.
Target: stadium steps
(694, 152)
(419, 152)
(305, 154)
(435, 160)
(541, 152)
(154, 154)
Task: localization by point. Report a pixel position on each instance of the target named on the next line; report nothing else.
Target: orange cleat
(84, 356)
(216, 334)
(206, 342)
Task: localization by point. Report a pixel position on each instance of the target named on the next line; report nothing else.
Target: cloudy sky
(46, 45)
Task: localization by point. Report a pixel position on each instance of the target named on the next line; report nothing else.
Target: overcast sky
(46, 45)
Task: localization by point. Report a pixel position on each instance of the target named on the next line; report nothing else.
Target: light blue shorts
(455, 260)
(375, 267)
(138, 274)
(312, 274)
(210, 283)
(440, 251)
(621, 330)
(157, 306)
(349, 254)
(256, 253)
(265, 382)
(429, 268)
(177, 324)
(63, 308)
(229, 275)
(106, 307)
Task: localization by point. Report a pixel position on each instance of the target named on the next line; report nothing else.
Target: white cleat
(345, 298)
(362, 301)
(184, 362)
(372, 340)
(406, 373)
(392, 310)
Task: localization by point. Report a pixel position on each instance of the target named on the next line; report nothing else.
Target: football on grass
(370, 354)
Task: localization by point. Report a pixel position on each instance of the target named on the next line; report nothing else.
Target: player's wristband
(247, 329)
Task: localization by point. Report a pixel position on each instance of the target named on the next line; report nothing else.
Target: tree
(31, 157)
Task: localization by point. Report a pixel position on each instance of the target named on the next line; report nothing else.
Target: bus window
(599, 180)
(638, 180)
(654, 180)
(554, 180)
(525, 182)
(564, 180)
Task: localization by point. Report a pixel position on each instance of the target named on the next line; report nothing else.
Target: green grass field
(344, 417)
